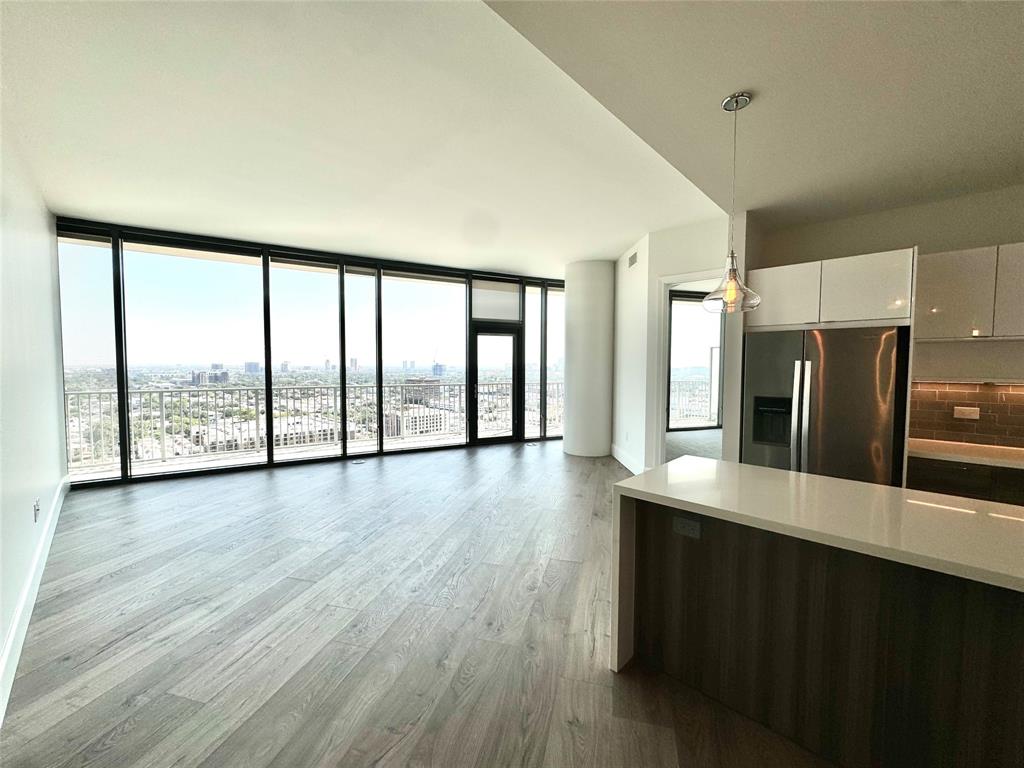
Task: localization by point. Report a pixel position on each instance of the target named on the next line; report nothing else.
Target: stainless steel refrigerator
(827, 401)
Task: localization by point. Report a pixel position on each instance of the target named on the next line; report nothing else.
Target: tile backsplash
(1001, 409)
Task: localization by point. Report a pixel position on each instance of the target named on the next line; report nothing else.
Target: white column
(589, 312)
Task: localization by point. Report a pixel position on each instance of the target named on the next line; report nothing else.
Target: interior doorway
(693, 403)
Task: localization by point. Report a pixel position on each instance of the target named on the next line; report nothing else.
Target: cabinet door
(955, 294)
(1009, 291)
(975, 481)
(789, 295)
(874, 286)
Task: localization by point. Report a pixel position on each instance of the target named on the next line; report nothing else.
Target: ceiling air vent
(632, 259)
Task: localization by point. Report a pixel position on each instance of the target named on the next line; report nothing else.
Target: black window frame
(118, 234)
(691, 296)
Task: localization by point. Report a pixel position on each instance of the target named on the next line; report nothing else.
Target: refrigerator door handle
(794, 424)
(805, 417)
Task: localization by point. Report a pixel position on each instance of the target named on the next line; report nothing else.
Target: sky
(194, 312)
(694, 332)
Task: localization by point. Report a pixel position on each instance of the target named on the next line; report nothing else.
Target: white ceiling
(858, 106)
(426, 132)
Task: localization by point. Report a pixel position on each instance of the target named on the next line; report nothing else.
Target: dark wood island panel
(862, 660)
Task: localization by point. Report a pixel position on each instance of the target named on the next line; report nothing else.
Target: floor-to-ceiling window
(188, 353)
(423, 350)
(532, 332)
(90, 358)
(555, 316)
(194, 349)
(306, 349)
(361, 359)
(695, 346)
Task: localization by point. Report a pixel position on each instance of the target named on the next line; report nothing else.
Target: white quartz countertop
(978, 540)
(967, 453)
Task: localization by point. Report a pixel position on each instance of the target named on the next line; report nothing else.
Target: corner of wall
(634, 464)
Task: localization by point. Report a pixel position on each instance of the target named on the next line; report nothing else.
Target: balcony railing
(692, 403)
(185, 428)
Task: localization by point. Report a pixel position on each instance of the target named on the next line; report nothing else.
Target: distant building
(199, 378)
(353, 364)
(252, 367)
(284, 366)
(327, 365)
(421, 390)
(216, 366)
(419, 420)
(438, 370)
(218, 376)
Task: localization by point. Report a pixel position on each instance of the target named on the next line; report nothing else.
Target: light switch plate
(685, 526)
(963, 412)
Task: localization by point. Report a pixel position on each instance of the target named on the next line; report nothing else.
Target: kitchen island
(873, 625)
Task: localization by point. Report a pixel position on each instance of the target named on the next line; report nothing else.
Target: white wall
(32, 441)
(970, 221)
(589, 311)
(630, 358)
(680, 252)
(664, 258)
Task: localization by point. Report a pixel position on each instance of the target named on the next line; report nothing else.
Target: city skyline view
(196, 391)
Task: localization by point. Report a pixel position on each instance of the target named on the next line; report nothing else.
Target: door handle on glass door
(794, 420)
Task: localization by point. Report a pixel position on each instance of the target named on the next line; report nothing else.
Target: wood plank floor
(696, 442)
(436, 609)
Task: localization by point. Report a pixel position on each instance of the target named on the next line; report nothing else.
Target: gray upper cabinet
(1009, 320)
(955, 294)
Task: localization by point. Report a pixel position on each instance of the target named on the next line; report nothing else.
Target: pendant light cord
(732, 207)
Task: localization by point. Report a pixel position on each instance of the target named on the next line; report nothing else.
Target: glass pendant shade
(731, 295)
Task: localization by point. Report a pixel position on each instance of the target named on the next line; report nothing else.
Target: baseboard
(11, 652)
(627, 460)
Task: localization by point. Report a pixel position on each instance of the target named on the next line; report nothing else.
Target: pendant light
(732, 295)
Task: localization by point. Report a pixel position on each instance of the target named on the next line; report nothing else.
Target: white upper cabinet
(955, 294)
(1009, 316)
(789, 295)
(875, 286)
